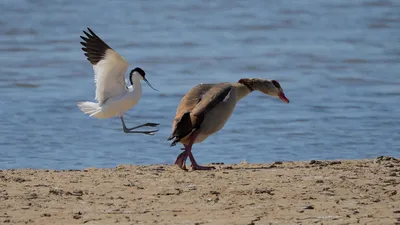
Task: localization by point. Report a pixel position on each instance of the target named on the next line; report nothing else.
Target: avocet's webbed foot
(149, 132)
(131, 130)
(144, 125)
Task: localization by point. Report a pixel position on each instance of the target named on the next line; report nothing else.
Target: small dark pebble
(7, 221)
(32, 196)
(319, 181)
(264, 190)
(214, 192)
(20, 179)
(131, 184)
(77, 193)
(45, 215)
(159, 169)
(308, 207)
(77, 217)
(396, 211)
(56, 191)
(376, 200)
(314, 162)
(392, 174)
(385, 158)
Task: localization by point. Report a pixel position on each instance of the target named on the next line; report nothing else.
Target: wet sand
(312, 192)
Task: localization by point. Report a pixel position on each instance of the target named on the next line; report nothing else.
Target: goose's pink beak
(283, 97)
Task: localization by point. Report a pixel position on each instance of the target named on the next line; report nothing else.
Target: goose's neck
(242, 91)
(248, 85)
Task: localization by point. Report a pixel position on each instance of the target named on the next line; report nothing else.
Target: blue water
(338, 62)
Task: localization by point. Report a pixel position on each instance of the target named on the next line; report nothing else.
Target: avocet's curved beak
(149, 84)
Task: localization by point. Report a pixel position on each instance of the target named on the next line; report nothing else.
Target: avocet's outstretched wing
(109, 67)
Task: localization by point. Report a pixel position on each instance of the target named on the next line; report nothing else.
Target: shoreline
(306, 192)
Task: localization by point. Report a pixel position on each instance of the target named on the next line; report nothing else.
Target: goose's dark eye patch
(276, 84)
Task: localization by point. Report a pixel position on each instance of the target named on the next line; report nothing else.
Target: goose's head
(269, 87)
(139, 72)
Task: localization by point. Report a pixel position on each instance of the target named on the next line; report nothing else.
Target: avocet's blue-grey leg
(130, 130)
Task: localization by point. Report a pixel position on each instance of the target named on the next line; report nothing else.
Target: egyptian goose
(205, 109)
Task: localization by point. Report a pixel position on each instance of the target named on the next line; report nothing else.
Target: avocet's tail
(90, 108)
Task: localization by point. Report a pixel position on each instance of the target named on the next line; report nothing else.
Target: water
(338, 62)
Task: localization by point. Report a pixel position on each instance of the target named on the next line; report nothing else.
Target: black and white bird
(113, 96)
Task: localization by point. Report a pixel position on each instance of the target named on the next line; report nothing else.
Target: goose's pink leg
(181, 159)
(196, 166)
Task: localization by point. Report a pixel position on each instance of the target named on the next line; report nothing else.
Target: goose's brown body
(206, 108)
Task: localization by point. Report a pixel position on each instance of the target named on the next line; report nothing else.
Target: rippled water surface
(338, 62)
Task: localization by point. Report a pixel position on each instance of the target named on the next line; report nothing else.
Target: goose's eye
(276, 84)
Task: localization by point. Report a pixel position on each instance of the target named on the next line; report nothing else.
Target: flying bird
(113, 96)
(206, 108)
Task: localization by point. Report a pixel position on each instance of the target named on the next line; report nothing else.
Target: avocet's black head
(141, 73)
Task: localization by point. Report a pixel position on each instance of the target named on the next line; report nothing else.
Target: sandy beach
(310, 192)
